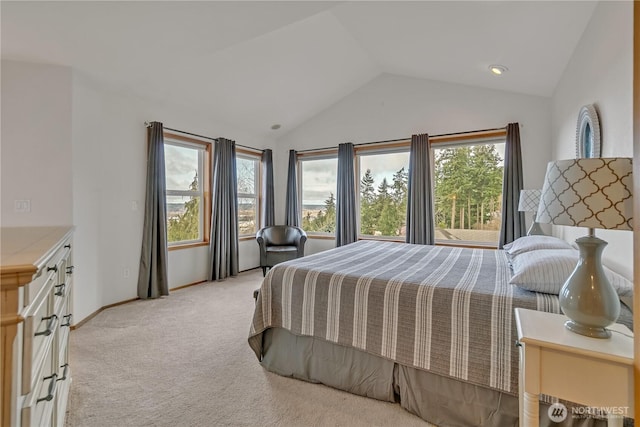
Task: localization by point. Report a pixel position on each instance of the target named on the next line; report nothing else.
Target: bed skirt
(437, 399)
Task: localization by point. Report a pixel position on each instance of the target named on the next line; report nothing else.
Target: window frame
(373, 150)
(312, 156)
(402, 145)
(204, 170)
(257, 157)
(466, 140)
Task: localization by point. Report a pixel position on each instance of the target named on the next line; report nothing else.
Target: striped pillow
(534, 243)
(546, 271)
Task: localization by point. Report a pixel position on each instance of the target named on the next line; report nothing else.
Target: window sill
(321, 236)
(247, 238)
(187, 246)
(383, 239)
(463, 244)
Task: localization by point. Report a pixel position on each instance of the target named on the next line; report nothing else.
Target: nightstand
(596, 373)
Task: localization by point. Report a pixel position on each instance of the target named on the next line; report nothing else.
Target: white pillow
(534, 243)
(546, 271)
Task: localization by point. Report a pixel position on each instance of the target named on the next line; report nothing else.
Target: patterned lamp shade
(529, 200)
(593, 193)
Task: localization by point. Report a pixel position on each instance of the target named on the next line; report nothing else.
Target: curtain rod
(148, 124)
(401, 139)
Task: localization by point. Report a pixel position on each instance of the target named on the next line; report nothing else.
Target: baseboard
(95, 313)
(177, 288)
(188, 285)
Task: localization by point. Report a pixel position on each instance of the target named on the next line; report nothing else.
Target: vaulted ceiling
(253, 64)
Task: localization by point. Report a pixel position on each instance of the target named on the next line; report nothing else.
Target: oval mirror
(588, 133)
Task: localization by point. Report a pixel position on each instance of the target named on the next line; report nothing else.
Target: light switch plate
(22, 206)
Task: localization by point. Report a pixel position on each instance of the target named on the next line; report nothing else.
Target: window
(318, 187)
(186, 172)
(468, 191)
(383, 193)
(467, 175)
(248, 167)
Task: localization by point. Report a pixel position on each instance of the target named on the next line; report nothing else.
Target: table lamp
(529, 201)
(593, 193)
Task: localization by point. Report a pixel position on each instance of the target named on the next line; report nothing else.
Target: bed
(430, 327)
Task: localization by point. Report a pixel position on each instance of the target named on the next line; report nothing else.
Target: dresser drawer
(54, 270)
(38, 406)
(39, 331)
(63, 310)
(62, 393)
(32, 290)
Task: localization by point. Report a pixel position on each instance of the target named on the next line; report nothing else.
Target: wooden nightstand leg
(531, 410)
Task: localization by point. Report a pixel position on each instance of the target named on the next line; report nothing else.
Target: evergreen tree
(329, 225)
(186, 226)
(400, 196)
(487, 174)
(325, 220)
(368, 214)
(468, 182)
(388, 225)
(388, 221)
(453, 184)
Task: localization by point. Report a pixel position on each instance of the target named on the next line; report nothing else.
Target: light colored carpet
(184, 360)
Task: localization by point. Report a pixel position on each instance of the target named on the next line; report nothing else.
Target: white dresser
(36, 286)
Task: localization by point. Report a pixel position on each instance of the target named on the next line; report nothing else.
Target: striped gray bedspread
(442, 309)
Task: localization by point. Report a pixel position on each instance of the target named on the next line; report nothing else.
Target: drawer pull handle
(54, 268)
(70, 269)
(64, 373)
(518, 343)
(60, 291)
(50, 326)
(52, 388)
(67, 246)
(68, 317)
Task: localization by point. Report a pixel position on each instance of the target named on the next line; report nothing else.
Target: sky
(181, 165)
(319, 178)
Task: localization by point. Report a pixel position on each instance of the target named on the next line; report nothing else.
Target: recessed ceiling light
(498, 70)
(275, 127)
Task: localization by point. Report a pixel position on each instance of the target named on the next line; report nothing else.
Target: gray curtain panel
(346, 212)
(224, 213)
(268, 216)
(513, 225)
(420, 224)
(291, 204)
(152, 276)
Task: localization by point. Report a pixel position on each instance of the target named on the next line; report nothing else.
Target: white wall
(36, 143)
(600, 73)
(78, 151)
(109, 165)
(391, 107)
